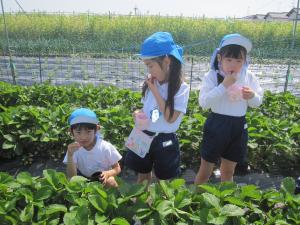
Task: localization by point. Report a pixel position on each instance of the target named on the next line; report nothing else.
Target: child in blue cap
(90, 156)
(164, 97)
(227, 90)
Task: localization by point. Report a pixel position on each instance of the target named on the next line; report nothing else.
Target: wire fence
(128, 71)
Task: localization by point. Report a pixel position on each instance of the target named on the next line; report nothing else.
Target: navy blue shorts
(226, 137)
(164, 159)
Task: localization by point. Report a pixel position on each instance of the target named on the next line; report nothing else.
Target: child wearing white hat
(90, 156)
(227, 90)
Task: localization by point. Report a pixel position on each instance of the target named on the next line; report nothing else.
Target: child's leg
(111, 182)
(227, 169)
(144, 176)
(205, 171)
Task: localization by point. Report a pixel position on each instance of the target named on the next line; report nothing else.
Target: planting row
(33, 123)
(52, 199)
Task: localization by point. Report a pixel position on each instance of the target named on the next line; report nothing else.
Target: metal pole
(40, 64)
(191, 77)
(292, 47)
(11, 65)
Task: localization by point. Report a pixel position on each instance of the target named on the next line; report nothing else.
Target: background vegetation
(38, 33)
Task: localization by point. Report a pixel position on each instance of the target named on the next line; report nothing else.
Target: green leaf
(232, 210)
(119, 221)
(217, 220)
(5, 178)
(69, 218)
(27, 213)
(82, 215)
(164, 208)
(25, 178)
(8, 145)
(27, 193)
(143, 213)
(182, 199)
(288, 185)
(169, 192)
(211, 200)
(9, 137)
(50, 209)
(101, 219)
(177, 183)
(250, 191)
(211, 189)
(235, 201)
(43, 193)
(98, 202)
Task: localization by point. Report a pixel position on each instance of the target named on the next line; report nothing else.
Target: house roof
(255, 16)
(294, 10)
(277, 15)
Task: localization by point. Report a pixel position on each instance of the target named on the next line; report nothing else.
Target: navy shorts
(165, 160)
(224, 136)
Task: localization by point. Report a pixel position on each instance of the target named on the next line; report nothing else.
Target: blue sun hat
(159, 44)
(83, 115)
(232, 39)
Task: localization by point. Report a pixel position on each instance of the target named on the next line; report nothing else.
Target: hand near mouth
(230, 79)
(151, 83)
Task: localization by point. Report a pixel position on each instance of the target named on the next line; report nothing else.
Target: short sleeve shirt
(180, 104)
(100, 158)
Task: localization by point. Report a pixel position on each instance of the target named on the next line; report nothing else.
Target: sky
(192, 8)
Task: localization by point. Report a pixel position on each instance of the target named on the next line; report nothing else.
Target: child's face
(85, 137)
(157, 71)
(231, 65)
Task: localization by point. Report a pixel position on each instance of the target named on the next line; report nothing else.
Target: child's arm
(114, 171)
(162, 103)
(254, 93)
(210, 92)
(71, 166)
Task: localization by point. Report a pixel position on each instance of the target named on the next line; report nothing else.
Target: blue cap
(83, 115)
(159, 44)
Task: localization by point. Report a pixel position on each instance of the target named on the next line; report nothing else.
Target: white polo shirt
(100, 158)
(180, 104)
(216, 97)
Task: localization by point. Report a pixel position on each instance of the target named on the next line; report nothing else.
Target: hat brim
(174, 52)
(84, 119)
(238, 40)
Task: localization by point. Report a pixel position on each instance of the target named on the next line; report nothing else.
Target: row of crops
(52, 199)
(44, 34)
(33, 123)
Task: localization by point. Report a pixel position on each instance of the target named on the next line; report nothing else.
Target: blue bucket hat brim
(83, 115)
(160, 44)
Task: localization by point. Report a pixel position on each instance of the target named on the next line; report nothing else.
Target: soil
(242, 177)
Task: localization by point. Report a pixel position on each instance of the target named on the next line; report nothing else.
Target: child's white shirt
(213, 96)
(100, 158)
(180, 105)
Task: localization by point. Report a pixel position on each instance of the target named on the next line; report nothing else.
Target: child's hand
(247, 93)
(73, 147)
(104, 176)
(136, 112)
(229, 79)
(150, 82)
